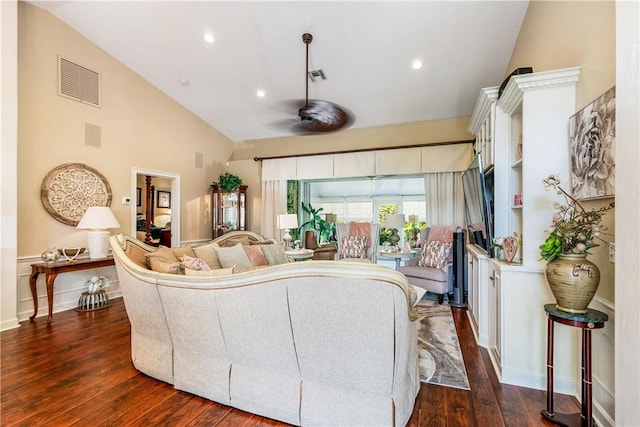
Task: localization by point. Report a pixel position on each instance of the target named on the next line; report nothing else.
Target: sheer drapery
(444, 198)
(274, 202)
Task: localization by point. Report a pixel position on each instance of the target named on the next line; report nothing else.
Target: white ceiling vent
(317, 75)
(78, 82)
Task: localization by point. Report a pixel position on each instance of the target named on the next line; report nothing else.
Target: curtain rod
(361, 150)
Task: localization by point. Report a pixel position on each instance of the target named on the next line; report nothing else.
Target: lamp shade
(331, 218)
(287, 221)
(394, 221)
(98, 218)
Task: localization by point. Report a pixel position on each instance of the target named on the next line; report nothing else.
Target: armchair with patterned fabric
(433, 269)
(320, 252)
(358, 241)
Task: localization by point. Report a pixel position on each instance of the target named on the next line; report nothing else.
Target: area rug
(440, 357)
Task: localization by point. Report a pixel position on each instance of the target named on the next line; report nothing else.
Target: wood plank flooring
(78, 371)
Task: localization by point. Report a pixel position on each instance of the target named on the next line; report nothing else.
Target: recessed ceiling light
(260, 93)
(209, 38)
(417, 64)
(184, 82)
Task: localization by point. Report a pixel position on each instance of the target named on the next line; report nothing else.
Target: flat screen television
(477, 205)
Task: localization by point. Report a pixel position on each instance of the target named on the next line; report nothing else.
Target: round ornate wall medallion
(68, 190)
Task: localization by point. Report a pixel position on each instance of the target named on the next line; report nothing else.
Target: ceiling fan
(316, 115)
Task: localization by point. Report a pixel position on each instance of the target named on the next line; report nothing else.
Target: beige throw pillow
(274, 253)
(161, 266)
(208, 254)
(232, 256)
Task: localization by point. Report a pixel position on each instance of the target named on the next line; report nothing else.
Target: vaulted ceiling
(365, 48)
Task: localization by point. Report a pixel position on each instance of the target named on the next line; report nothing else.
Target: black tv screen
(477, 206)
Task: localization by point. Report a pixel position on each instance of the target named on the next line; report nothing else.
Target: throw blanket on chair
(361, 229)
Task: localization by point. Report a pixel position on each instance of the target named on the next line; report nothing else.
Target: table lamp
(98, 219)
(395, 222)
(287, 222)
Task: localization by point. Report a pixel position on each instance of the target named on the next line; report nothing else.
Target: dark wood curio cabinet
(228, 210)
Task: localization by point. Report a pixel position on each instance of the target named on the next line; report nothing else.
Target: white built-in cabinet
(530, 141)
(482, 124)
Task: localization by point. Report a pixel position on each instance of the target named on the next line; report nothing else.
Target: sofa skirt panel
(151, 346)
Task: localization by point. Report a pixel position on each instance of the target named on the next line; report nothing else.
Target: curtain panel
(444, 198)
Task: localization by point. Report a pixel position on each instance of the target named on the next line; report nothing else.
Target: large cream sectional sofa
(308, 343)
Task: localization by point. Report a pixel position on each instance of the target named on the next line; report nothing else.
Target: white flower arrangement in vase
(96, 284)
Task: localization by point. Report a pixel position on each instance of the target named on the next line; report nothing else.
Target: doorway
(165, 200)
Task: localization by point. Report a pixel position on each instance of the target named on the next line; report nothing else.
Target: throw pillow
(163, 253)
(161, 266)
(208, 254)
(353, 247)
(274, 253)
(435, 254)
(137, 255)
(255, 254)
(234, 255)
(183, 250)
(209, 273)
(190, 263)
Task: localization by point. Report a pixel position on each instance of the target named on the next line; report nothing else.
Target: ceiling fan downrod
(306, 39)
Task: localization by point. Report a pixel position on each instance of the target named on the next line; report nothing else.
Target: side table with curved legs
(592, 319)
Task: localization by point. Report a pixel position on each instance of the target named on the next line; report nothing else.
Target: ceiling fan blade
(324, 116)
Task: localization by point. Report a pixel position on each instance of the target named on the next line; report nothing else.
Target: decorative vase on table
(573, 280)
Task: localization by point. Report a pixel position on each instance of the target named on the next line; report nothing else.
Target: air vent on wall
(317, 75)
(78, 82)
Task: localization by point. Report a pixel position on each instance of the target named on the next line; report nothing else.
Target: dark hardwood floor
(78, 371)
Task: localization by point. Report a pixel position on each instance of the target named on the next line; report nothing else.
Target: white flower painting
(592, 132)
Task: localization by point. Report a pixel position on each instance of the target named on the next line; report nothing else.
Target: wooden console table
(592, 319)
(52, 269)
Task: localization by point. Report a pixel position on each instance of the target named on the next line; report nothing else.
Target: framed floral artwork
(592, 133)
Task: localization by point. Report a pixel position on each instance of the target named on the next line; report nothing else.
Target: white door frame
(175, 200)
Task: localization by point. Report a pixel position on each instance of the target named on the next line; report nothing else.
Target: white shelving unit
(506, 300)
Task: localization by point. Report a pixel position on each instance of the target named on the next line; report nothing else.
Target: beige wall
(561, 34)
(140, 127)
(413, 133)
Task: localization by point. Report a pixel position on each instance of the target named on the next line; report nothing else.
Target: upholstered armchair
(358, 241)
(320, 252)
(433, 269)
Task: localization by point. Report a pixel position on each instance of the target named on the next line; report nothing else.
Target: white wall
(627, 334)
(8, 162)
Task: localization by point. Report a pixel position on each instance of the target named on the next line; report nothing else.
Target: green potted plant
(572, 278)
(322, 227)
(229, 182)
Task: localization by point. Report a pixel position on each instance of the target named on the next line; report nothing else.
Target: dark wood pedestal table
(592, 319)
(52, 269)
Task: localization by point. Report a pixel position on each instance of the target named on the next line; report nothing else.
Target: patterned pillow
(435, 254)
(191, 263)
(353, 247)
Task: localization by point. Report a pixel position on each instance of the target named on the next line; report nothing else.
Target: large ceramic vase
(573, 280)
